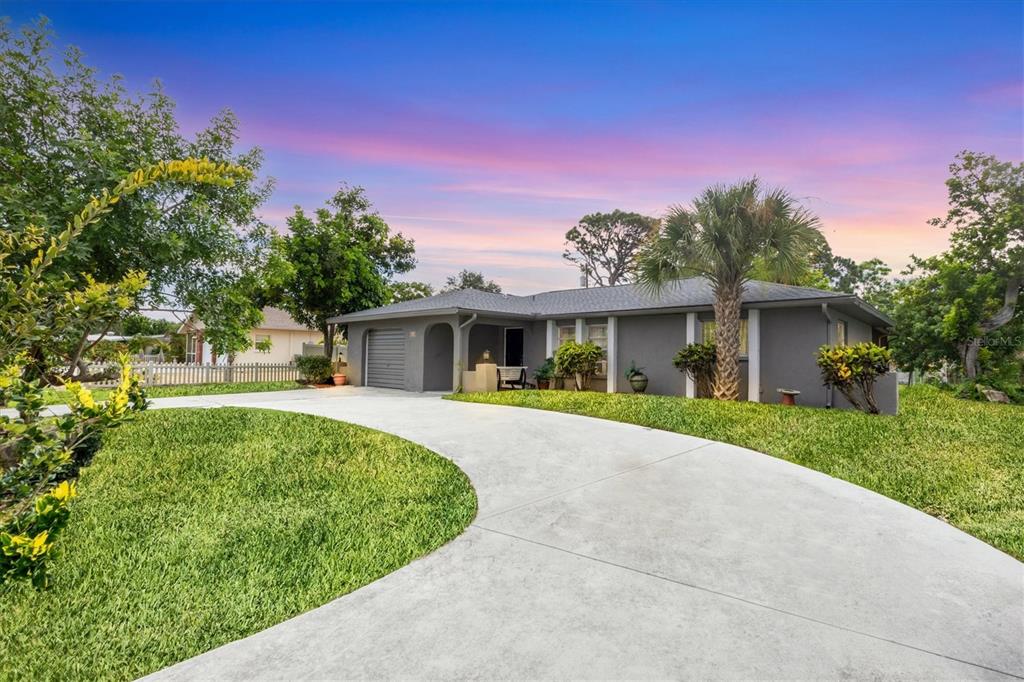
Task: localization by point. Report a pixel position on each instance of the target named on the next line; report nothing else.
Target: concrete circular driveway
(604, 550)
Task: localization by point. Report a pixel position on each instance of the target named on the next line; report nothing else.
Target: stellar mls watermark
(1004, 342)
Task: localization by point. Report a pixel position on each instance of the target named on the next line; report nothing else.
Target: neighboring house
(278, 339)
(424, 344)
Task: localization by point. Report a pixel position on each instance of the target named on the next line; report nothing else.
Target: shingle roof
(695, 292)
(275, 318)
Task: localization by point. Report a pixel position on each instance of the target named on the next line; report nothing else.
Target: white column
(613, 349)
(579, 329)
(691, 337)
(754, 355)
(549, 348)
(457, 357)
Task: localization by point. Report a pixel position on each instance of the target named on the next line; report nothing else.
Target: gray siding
(414, 329)
(438, 357)
(651, 341)
(790, 338)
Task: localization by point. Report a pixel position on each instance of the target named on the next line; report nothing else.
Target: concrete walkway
(613, 551)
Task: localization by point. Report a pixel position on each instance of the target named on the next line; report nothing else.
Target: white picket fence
(175, 373)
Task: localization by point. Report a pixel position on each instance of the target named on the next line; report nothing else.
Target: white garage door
(385, 358)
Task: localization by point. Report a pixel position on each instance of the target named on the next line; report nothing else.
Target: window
(566, 334)
(190, 348)
(841, 332)
(709, 334)
(597, 334)
(261, 342)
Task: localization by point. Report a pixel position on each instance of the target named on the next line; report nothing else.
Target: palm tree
(720, 237)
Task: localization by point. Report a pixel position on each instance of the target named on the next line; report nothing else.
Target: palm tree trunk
(728, 299)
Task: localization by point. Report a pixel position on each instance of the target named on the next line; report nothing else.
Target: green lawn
(961, 461)
(193, 528)
(60, 396)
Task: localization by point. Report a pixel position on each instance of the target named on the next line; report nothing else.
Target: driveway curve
(607, 550)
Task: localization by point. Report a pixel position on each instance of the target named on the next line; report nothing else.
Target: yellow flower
(65, 491)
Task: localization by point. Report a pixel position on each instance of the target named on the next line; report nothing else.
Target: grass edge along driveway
(196, 527)
(59, 396)
(958, 460)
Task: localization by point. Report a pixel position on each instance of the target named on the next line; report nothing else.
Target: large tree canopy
(467, 279)
(341, 260)
(65, 134)
(409, 291)
(605, 245)
(963, 308)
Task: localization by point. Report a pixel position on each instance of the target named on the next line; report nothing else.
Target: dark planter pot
(638, 382)
(543, 384)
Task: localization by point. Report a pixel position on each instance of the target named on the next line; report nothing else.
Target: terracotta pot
(639, 382)
(340, 379)
(543, 384)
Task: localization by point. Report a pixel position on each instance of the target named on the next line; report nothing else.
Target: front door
(514, 347)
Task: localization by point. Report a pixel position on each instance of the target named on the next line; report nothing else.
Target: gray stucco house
(424, 344)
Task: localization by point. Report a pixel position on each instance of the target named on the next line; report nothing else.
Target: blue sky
(485, 131)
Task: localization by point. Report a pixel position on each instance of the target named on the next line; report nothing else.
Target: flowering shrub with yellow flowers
(40, 453)
(854, 370)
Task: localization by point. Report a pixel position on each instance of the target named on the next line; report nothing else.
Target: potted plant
(545, 373)
(636, 378)
(339, 376)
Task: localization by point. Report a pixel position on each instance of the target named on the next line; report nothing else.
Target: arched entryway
(438, 357)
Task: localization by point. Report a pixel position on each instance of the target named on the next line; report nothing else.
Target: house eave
(879, 319)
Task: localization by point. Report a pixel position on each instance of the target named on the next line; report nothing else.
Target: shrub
(578, 360)
(546, 371)
(316, 369)
(972, 390)
(853, 370)
(698, 360)
(41, 454)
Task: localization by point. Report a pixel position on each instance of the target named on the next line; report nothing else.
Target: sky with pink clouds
(484, 131)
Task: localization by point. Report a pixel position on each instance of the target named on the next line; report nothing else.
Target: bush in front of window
(315, 369)
(698, 360)
(853, 370)
(578, 360)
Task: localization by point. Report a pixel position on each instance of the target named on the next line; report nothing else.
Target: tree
(986, 217)
(64, 135)
(868, 279)
(468, 279)
(340, 260)
(605, 245)
(720, 237)
(40, 454)
(408, 291)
